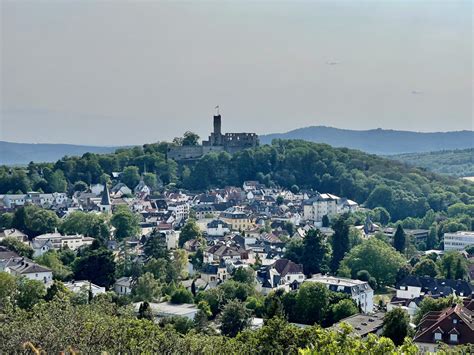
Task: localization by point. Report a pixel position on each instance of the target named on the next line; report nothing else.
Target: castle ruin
(218, 142)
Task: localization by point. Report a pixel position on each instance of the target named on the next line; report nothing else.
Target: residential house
(123, 286)
(358, 290)
(13, 233)
(214, 273)
(283, 273)
(220, 251)
(84, 286)
(29, 269)
(217, 228)
(452, 326)
(41, 247)
(314, 209)
(237, 218)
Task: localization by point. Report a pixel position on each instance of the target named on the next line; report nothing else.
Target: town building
(281, 274)
(29, 269)
(217, 228)
(358, 290)
(452, 326)
(123, 286)
(314, 209)
(217, 142)
(363, 324)
(458, 241)
(60, 241)
(84, 286)
(237, 218)
(12, 201)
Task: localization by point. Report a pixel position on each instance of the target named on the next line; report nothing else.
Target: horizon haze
(122, 73)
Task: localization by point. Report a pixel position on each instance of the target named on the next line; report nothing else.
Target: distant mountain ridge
(379, 141)
(23, 153)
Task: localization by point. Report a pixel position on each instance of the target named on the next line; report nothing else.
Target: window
(437, 336)
(453, 338)
(455, 321)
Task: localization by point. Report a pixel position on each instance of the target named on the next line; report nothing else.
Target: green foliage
(244, 275)
(312, 302)
(146, 288)
(155, 246)
(340, 241)
(52, 260)
(426, 267)
(181, 295)
(448, 162)
(189, 231)
(343, 309)
(97, 266)
(30, 292)
(126, 223)
(89, 224)
(380, 259)
(18, 247)
(235, 317)
(6, 220)
(399, 239)
(130, 176)
(396, 325)
(453, 265)
(35, 220)
(313, 252)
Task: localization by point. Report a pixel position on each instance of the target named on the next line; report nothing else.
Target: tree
(244, 275)
(432, 238)
(80, 186)
(426, 267)
(315, 252)
(190, 138)
(396, 325)
(126, 223)
(145, 312)
(325, 221)
(56, 289)
(312, 302)
(155, 246)
(6, 220)
(382, 215)
(30, 292)
(40, 221)
(399, 239)
(150, 180)
(8, 288)
(130, 176)
(146, 288)
(453, 265)
(377, 257)
(97, 266)
(340, 241)
(189, 231)
(181, 295)
(343, 309)
(88, 224)
(280, 200)
(51, 259)
(57, 182)
(235, 318)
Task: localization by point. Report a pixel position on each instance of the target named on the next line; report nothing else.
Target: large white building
(358, 290)
(458, 240)
(314, 209)
(60, 241)
(34, 198)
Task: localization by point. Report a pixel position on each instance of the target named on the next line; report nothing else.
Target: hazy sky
(131, 72)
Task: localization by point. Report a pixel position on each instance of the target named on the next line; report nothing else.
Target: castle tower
(217, 130)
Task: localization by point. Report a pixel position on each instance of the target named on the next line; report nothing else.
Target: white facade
(59, 241)
(123, 286)
(79, 286)
(217, 229)
(458, 240)
(35, 198)
(327, 205)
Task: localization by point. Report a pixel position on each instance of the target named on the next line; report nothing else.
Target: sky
(134, 72)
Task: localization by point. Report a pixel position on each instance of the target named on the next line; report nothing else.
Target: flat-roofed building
(458, 241)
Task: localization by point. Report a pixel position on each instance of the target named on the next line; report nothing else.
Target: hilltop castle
(218, 142)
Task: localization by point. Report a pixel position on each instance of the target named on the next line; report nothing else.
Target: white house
(123, 286)
(218, 228)
(358, 290)
(41, 247)
(314, 209)
(283, 273)
(60, 241)
(29, 269)
(458, 241)
(14, 233)
(79, 286)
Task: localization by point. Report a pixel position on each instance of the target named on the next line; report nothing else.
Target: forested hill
(369, 179)
(450, 162)
(23, 153)
(379, 141)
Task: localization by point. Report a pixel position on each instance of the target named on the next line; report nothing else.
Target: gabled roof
(457, 319)
(285, 266)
